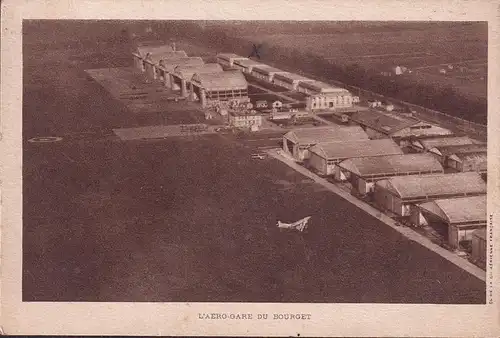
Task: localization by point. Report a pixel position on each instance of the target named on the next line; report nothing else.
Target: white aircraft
(300, 225)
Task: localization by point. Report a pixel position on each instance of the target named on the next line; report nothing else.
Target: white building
(250, 120)
(322, 96)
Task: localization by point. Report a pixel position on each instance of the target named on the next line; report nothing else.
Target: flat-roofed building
(325, 155)
(183, 74)
(266, 73)
(167, 66)
(248, 120)
(425, 144)
(478, 254)
(364, 172)
(463, 162)
(289, 80)
(141, 51)
(212, 88)
(152, 61)
(378, 124)
(397, 194)
(442, 153)
(246, 65)
(227, 59)
(298, 141)
(458, 217)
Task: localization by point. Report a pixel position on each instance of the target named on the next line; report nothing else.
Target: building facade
(183, 74)
(211, 89)
(248, 120)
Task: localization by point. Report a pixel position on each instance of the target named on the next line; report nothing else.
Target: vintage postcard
(264, 168)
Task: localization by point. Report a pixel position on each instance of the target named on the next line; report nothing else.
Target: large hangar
(211, 89)
(183, 74)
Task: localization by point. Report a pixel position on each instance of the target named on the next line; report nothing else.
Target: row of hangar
(224, 81)
(435, 180)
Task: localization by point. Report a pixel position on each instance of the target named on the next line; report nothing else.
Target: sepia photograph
(256, 163)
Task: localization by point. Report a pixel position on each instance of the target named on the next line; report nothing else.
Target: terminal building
(324, 156)
(455, 218)
(289, 81)
(322, 96)
(362, 173)
(210, 89)
(398, 194)
(226, 60)
(182, 74)
(298, 141)
(266, 73)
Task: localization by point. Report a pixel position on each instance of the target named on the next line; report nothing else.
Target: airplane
(300, 225)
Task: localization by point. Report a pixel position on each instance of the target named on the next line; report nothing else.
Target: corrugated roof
(365, 148)
(227, 56)
(408, 187)
(143, 50)
(187, 71)
(264, 69)
(170, 64)
(247, 62)
(445, 141)
(458, 210)
(392, 164)
(384, 122)
(226, 80)
(322, 87)
(156, 57)
(291, 77)
(461, 149)
(333, 133)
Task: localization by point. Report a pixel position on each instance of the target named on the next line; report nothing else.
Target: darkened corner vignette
(261, 161)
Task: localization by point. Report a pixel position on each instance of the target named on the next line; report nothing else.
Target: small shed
(398, 194)
(298, 141)
(458, 217)
(364, 172)
(324, 156)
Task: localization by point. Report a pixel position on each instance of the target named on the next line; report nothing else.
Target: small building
(183, 74)
(265, 72)
(458, 217)
(246, 119)
(478, 254)
(167, 66)
(212, 88)
(142, 50)
(298, 141)
(464, 162)
(289, 81)
(227, 59)
(397, 194)
(380, 124)
(442, 153)
(364, 172)
(428, 143)
(246, 65)
(324, 156)
(261, 104)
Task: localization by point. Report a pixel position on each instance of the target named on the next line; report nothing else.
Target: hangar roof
(187, 71)
(443, 141)
(392, 164)
(459, 149)
(458, 210)
(170, 64)
(143, 50)
(352, 149)
(333, 133)
(292, 77)
(225, 80)
(156, 57)
(264, 69)
(322, 87)
(228, 56)
(386, 123)
(414, 187)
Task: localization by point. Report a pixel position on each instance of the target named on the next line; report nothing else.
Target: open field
(190, 219)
